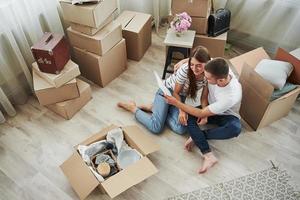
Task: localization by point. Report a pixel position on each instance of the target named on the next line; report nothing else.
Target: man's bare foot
(130, 106)
(209, 161)
(146, 108)
(189, 144)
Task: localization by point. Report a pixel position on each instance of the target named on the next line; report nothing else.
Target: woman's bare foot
(209, 161)
(189, 144)
(130, 106)
(146, 108)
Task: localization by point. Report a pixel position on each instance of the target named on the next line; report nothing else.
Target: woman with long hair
(185, 82)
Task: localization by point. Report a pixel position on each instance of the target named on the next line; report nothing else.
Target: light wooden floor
(35, 142)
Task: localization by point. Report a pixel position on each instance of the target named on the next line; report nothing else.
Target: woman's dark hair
(218, 67)
(201, 54)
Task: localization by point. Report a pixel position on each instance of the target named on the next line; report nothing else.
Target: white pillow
(274, 71)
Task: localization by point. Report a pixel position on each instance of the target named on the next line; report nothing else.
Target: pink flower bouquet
(181, 22)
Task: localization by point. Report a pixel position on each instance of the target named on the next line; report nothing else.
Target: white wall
(268, 23)
(254, 23)
(145, 6)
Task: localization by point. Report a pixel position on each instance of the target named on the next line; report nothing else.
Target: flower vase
(179, 34)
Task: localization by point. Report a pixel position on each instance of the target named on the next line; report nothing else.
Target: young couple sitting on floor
(220, 102)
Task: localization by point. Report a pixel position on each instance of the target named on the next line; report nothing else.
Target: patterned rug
(268, 184)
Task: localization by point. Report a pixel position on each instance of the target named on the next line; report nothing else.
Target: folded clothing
(286, 89)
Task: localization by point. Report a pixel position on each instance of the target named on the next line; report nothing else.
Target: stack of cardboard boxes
(98, 46)
(62, 93)
(199, 10)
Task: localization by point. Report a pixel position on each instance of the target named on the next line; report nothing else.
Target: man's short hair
(218, 67)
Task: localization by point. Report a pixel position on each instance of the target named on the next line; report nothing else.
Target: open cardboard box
(84, 182)
(256, 108)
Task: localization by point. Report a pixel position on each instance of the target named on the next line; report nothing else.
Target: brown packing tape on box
(48, 94)
(215, 45)
(102, 69)
(137, 32)
(69, 72)
(100, 43)
(195, 8)
(68, 109)
(121, 181)
(91, 30)
(258, 90)
(90, 14)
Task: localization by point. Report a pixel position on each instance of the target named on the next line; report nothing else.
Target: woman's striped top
(181, 77)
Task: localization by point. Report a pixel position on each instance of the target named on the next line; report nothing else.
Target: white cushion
(274, 71)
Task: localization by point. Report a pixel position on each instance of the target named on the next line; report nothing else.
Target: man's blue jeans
(162, 113)
(229, 126)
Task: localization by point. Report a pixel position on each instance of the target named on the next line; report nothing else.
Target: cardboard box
(68, 109)
(84, 182)
(70, 71)
(100, 43)
(256, 108)
(90, 30)
(47, 94)
(195, 8)
(137, 33)
(199, 24)
(102, 69)
(215, 45)
(88, 14)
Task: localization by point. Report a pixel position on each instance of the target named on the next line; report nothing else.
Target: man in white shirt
(224, 94)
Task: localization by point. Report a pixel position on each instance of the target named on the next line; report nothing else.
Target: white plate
(128, 157)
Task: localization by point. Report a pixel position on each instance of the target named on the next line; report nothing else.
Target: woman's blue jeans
(162, 113)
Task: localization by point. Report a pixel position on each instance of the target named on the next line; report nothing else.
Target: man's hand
(177, 65)
(171, 100)
(182, 117)
(202, 121)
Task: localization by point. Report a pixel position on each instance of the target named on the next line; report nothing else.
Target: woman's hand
(202, 121)
(182, 117)
(171, 100)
